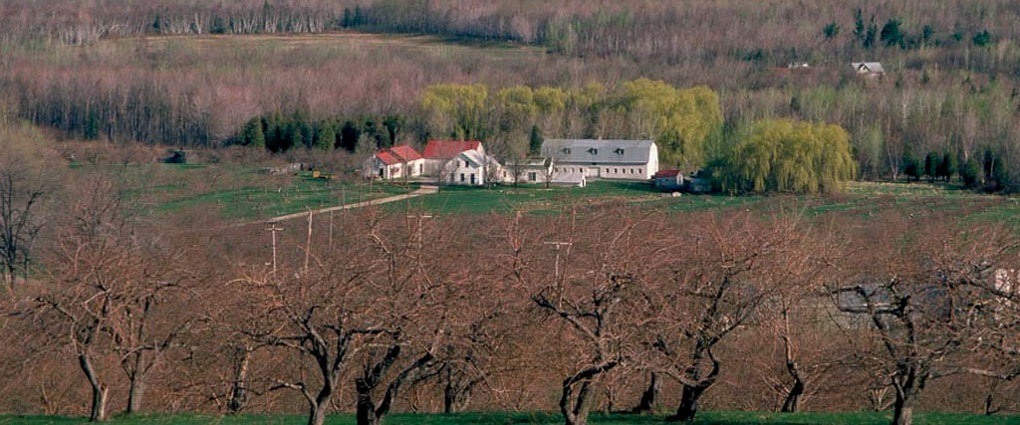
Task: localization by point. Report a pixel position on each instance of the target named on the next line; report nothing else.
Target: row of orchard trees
(610, 307)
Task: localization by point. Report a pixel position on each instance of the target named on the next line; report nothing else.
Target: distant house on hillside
(602, 159)
(868, 69)
(393, 163)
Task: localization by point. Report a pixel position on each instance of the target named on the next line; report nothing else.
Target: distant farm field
(498, 418)
(243, 193)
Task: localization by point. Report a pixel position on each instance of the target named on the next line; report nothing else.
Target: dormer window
(566, 151)
(618, 151)
(593, 151)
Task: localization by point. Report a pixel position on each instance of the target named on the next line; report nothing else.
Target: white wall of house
(462, 172)
(375, 168)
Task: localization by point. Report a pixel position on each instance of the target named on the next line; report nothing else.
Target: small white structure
(393, 163)
(668, 180)
(868, 69)
(531, 170)
(603, 159)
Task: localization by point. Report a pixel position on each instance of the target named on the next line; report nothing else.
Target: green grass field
(704, 418)
(239, 193)
(236, 192)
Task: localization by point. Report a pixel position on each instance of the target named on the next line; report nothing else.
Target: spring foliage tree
(681, 121)
(789, 156)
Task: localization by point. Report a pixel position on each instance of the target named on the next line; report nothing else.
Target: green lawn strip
(500, 418)
(273, 196)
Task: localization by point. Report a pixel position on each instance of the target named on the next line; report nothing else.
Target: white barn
(585, 159)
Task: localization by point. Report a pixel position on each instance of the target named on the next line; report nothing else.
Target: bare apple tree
(921, 288)
(589, 270)
(728, 267)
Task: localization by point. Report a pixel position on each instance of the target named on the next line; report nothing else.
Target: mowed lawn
(241, 193)
(497, 418)
(236, 193)
(859, 200)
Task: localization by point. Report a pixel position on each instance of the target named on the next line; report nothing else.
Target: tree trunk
(455, 395)
(793, 397)
(136, 391)
(317, 414)
(903, 408)
(365, 407)
(575, 410)
(688, 403)
(99, 391)
(648, 396)
(239, 388)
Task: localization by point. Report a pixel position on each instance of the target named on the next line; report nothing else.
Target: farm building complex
(562, 161)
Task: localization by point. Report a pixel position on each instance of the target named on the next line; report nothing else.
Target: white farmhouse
(586, 159)
(461, 163)
(393, 163)
(439, 153)
(472, 169)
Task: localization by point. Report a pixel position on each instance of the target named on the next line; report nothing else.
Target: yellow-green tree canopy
(457, 110)
(789, 156)
(682, 121)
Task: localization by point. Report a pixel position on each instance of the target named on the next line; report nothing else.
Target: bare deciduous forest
(599, 307)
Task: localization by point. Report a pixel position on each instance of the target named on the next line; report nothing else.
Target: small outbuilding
(668, 180)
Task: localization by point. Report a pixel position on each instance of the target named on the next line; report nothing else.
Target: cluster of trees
(613, 307)
(894, 34)
(787, 156)
(683, 122)
(279, 133)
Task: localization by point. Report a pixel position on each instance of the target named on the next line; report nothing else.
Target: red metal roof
(666, 173)
(398, 154)
(447, 149)
(406, 152)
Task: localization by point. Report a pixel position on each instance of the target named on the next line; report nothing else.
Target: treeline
(957, 97)
(647, 31)
(363, 135)
(375, 312)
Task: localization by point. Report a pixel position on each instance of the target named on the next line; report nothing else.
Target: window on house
(618, 151)
(461, 176)
(532, 177)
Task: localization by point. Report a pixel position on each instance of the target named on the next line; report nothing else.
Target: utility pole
(308, 242)
(556, 264)
(273, 229)
(418, 231)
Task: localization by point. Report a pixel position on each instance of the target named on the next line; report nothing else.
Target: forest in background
(121, 71)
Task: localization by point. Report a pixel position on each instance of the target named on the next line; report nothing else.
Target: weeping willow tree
(788, 156)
